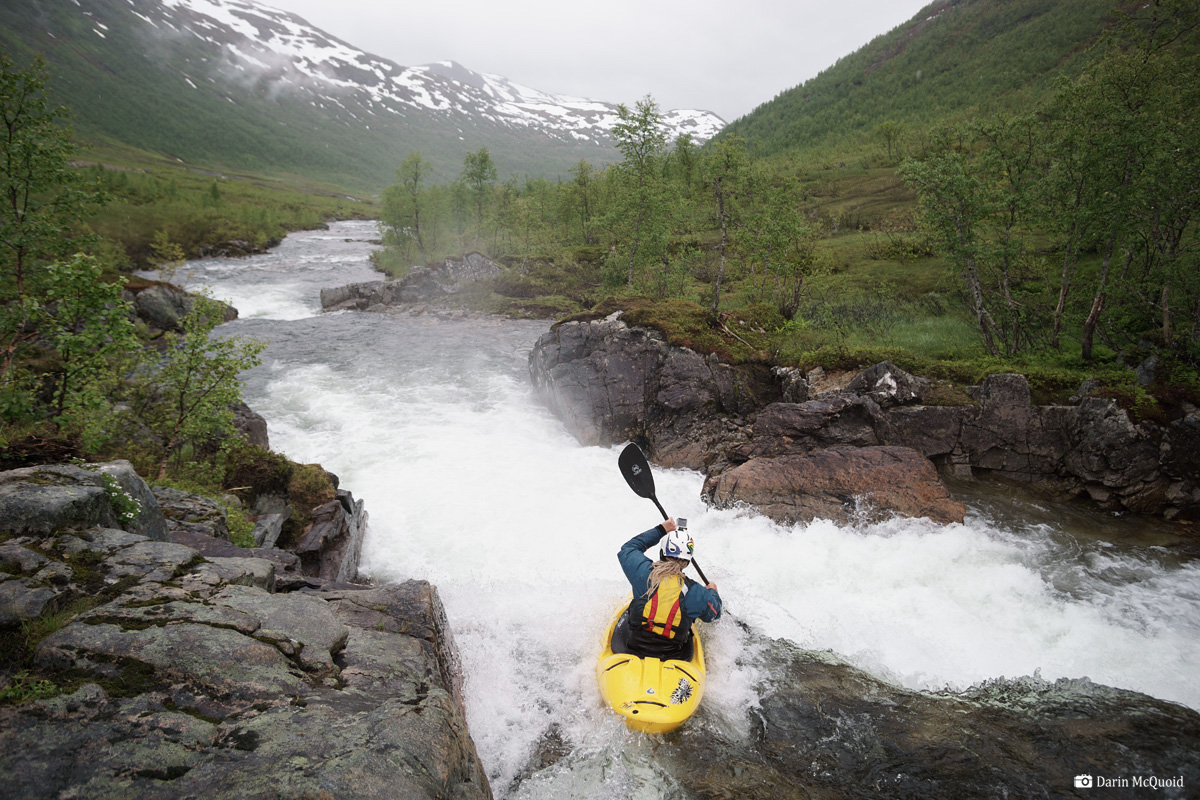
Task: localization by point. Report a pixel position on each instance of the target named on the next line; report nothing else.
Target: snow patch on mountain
(284, 53)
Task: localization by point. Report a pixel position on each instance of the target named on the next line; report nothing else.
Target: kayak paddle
(636, 470)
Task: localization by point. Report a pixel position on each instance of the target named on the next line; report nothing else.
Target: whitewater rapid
(472, 485)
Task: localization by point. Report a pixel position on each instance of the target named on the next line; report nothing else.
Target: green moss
(736, 337)
(943, 393)
(170, 705)
(134, 678)
(145, 603)
(183, 569)
(118, 588)
(308, 488)
(84, 569)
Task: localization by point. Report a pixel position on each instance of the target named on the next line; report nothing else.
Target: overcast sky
(725, 56)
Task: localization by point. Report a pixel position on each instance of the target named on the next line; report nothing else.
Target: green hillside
(954, 60)
(124, 89)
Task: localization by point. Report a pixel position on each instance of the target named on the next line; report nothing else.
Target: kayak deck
(652, 695)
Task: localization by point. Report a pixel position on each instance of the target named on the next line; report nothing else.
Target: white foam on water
(286, 283)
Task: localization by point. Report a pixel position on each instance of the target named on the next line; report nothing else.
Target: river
(474, 486)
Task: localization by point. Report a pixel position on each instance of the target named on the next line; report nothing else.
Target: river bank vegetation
(1060, 241)
(81, 373)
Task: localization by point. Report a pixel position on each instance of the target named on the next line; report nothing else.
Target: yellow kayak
(653, 696)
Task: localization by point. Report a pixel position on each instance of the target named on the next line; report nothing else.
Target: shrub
(256, 471)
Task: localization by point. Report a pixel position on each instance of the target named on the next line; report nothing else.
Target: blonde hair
(664, 568)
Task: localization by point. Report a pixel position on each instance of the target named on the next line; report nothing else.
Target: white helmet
(678, 544)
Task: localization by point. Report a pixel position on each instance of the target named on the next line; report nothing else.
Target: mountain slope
(953, 59)
(233, 84)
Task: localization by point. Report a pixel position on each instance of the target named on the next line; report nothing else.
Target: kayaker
(665, 601)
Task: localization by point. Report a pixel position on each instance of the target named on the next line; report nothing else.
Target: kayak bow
(653, 696)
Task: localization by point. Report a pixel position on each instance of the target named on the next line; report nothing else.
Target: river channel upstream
(471, 484)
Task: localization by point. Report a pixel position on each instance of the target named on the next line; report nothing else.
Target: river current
(473, 485)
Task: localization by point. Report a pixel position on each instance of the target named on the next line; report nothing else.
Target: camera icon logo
(1083, 781)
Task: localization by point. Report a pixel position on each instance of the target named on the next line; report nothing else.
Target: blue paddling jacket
(664, 633)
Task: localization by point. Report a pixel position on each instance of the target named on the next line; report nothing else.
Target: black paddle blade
(636, 470)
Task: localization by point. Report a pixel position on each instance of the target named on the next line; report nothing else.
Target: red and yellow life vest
(662, 612)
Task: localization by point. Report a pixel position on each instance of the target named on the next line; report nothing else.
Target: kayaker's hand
(669, 524)
(711, 586)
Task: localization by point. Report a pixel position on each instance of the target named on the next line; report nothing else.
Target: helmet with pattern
(678, 544)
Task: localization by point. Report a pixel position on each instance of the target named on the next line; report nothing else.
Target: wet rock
(163, 306)
(306, 621)
(611, 383)
(837, 483)
(223, 695)
(330, 547)
(827, 730)
(205, 683)
(221, 661)
(251, 425)
(836, 421)
(412, 608)
(153, 745)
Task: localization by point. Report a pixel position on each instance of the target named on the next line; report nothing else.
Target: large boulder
(610, 383)
(163, 306)
(190, 512)
(888, 385)
(46, 499)
(251, 425)
(844, 484)
(833, 421)
(1093, 449)
(329, 548)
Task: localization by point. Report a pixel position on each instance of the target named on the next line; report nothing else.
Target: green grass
(22, 686)
(199, 210)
